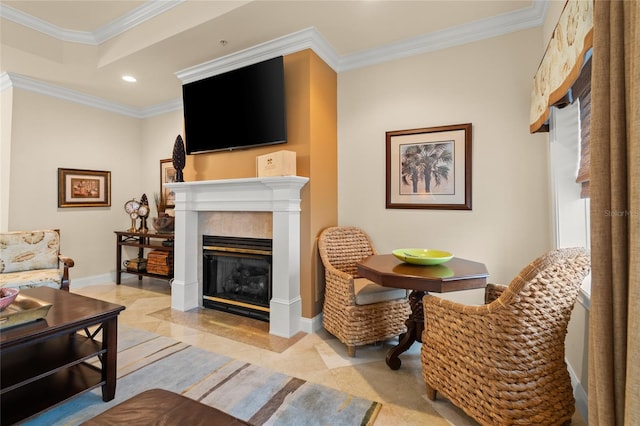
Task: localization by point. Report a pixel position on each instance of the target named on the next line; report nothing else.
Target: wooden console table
(45, 362)
(141, 240)
(454, 275)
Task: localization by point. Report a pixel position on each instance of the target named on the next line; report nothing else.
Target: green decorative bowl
(422, 256)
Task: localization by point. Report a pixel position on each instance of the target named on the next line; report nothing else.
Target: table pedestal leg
(109, 359)
(415, 325)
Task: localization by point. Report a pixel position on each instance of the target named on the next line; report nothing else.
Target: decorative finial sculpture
(143, 213)
(178, 158)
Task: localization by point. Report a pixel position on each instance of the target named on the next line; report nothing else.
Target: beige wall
(486, 83)
(48, 133)
(577, 347)
(158, 137)
(6, 108)
(554, 10)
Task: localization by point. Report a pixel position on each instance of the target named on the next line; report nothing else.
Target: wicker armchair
(503, 362)
(357, 311)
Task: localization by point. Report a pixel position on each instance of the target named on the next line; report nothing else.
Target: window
(569, 149)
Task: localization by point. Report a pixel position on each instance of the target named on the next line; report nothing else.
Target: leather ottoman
(162, 407)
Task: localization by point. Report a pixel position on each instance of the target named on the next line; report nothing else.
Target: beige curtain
(614, 325)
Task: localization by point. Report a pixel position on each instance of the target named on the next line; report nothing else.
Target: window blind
(582, 91)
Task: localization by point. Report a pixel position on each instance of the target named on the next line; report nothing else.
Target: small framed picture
(429, 168)
(167, 175)
(84, 188)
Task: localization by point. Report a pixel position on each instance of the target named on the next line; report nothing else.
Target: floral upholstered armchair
(33, 259)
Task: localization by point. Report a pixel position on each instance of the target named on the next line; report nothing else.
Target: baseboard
(579, 393)
(311, 325)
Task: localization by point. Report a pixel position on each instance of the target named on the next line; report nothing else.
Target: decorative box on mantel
(279, 163)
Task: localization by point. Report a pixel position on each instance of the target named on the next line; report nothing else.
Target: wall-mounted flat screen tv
(238, 109)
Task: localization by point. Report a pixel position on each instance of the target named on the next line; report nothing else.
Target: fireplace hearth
(237, 275)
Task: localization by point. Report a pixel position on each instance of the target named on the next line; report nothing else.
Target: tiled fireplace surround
(252, 207)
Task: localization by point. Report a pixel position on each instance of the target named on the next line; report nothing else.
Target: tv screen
(239, 109)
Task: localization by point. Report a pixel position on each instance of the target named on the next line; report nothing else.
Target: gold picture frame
(167, 175)
(84, 188)
(429, 168)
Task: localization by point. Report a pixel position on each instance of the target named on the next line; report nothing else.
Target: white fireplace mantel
(279, 195)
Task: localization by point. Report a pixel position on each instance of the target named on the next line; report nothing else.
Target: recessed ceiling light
(129, 78)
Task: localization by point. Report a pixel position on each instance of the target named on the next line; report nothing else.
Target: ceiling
(86, 46)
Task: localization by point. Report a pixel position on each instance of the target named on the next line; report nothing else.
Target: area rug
(252, 393)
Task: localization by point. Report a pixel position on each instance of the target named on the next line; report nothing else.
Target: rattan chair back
(341, 248)
(503, 363)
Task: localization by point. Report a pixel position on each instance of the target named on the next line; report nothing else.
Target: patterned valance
(562, 61)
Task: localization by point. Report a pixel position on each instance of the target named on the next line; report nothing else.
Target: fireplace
(279, 195)
(236, 275)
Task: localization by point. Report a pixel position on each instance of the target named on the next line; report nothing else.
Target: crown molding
(309, 38)
(479, 30)
(162, 108)
(5, 82)
(30, 84)
(137, 16)
(9, 80)
(37, 24)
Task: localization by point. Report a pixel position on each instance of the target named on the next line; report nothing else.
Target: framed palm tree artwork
(429, 168)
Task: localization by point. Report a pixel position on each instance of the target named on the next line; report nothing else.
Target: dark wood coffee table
(454, 275)
(45, 362)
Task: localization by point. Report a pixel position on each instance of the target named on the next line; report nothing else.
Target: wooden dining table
(455, 275)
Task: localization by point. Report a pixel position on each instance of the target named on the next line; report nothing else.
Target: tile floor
(316, 357)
